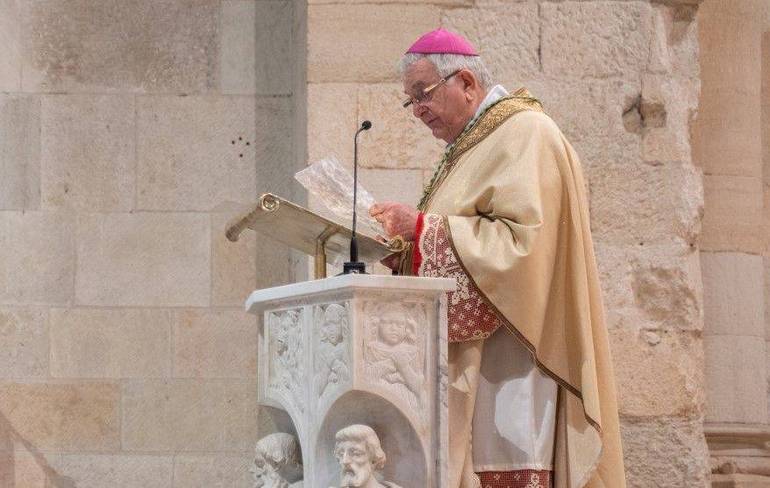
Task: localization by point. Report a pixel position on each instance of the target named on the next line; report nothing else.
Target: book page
(331, 184)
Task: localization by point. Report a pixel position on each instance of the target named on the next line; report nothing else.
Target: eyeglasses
(427, 93)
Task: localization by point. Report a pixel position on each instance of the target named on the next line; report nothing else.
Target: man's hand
(396, 218)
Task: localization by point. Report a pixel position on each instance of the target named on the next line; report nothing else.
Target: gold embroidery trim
(520, 101)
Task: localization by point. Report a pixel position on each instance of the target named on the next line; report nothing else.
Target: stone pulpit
(359, 350)
(354, 365)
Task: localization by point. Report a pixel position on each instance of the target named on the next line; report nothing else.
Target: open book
(331, 185)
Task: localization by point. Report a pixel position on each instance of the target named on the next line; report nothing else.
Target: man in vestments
(532, 396)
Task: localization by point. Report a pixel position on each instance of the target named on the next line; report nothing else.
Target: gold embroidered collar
(486, 123)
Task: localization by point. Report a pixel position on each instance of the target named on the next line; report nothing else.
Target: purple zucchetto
(442, 41)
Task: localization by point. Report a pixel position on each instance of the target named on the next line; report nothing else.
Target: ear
(470, 82)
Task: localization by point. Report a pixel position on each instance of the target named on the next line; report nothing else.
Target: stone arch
(406, 465)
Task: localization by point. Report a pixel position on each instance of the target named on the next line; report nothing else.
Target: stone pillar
(728, 145)
(766, 182)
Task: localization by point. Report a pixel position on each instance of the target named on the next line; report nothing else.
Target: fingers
(379, 208)
(383, 207)
(381, 212)
(395, 218)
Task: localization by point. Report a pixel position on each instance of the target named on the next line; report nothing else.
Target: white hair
(447, 63)
(280, 449)
(367, 435)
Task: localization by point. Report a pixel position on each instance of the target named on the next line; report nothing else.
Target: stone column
(766, 178)
(728, 145)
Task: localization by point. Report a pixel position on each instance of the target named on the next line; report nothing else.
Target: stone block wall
(621, 79)
(129, 133)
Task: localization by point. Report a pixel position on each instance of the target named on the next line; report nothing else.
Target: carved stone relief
(332, 341)
(287, 359)
(394, 350)
(334, 353)
(277, 462)
(357, 448)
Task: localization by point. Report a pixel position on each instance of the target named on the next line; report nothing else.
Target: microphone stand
(354, 266)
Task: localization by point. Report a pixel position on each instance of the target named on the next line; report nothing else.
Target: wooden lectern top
(308, 232)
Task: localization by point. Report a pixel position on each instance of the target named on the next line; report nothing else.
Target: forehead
(419, 75)
(391, 319)
(391, 312)
(350, 444)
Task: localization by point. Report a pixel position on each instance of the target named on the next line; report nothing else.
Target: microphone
(354, 266)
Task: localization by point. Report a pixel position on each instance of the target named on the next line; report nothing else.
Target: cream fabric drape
(517, 213)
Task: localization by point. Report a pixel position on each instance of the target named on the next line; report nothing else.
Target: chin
(438, 133)
(352, 479)
(349, 481)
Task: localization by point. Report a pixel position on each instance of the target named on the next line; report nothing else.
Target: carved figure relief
(394, 353)
(277, 462)
(332, 342)
(358, 450)
(287, 363)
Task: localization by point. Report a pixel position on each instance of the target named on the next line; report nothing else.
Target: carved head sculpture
(394, 327)
(358, 450)
(334, 323)
(277, 457)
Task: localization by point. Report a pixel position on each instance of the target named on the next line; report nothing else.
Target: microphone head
(366, 125)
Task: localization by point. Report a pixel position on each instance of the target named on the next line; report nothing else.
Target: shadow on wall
(10, 440)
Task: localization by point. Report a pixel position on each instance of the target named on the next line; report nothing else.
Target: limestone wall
(621, 79)
(125, 128)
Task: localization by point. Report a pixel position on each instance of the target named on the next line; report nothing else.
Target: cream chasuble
(511, 199)
(515, 414)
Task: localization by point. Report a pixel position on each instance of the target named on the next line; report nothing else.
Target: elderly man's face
(448, 110)
(355, 462)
